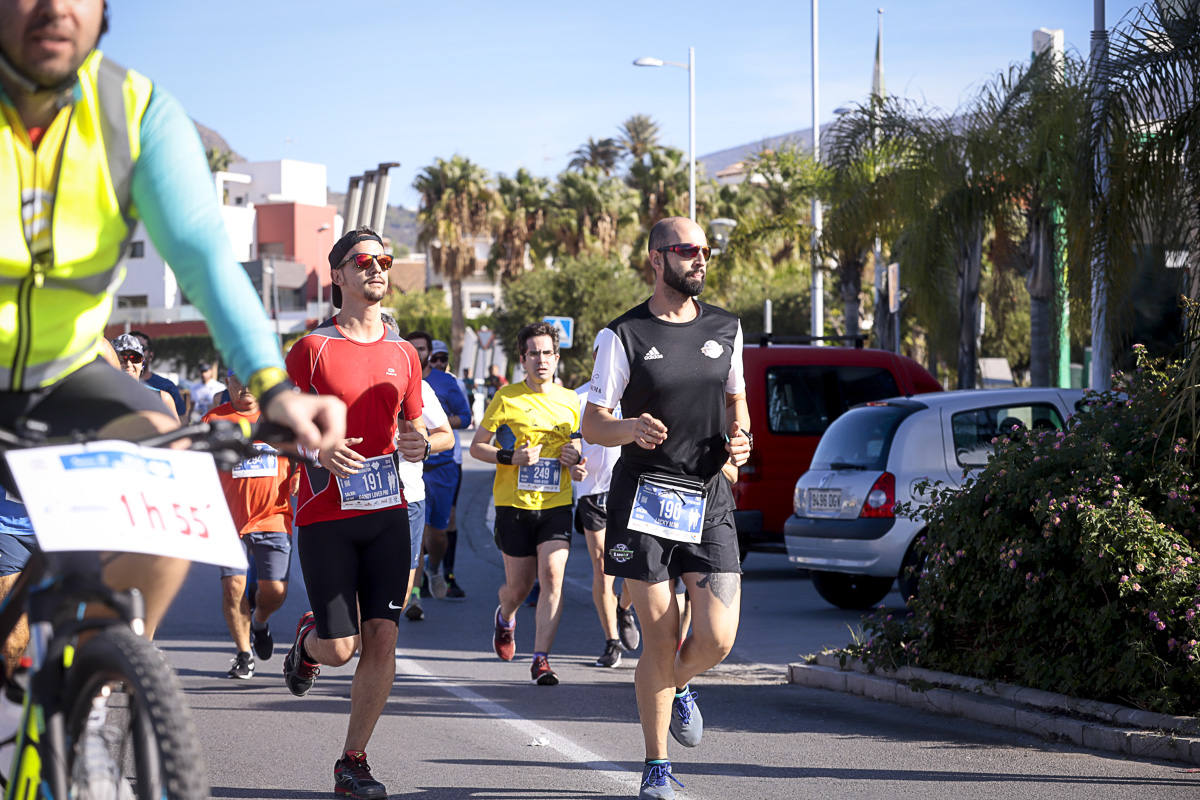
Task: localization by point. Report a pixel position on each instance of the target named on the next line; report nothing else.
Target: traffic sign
(566, 330)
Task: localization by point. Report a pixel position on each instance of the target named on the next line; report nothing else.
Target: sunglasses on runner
(439, 357)
(687, 250)
(130, 356)
(363, 261)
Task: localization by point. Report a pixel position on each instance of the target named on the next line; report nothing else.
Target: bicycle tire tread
(117, 651)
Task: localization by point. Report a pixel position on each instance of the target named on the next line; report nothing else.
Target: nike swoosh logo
(393, 606)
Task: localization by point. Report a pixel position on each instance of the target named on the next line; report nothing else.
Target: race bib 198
(668, 510)
(117, 496)
(545, 475)
(375, 485)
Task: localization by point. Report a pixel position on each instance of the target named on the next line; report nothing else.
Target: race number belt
(375, 485)
(265, 464)
(669, 507)
(543, 476)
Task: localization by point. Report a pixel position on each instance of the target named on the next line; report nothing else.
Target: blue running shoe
(687, 723)
(656, 782)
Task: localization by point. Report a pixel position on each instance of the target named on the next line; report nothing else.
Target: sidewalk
(1086, 723)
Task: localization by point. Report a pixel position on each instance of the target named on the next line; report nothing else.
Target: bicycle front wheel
(129, 733)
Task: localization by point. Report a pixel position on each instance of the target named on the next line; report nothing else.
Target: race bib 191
(668, 511)
(375, 485)
(263, 465)
(545, 475)
(117, 496)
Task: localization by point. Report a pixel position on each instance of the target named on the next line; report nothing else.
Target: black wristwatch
(749, 438)
(428, 447)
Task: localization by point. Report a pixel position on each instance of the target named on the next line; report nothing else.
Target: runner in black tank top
(675, 366)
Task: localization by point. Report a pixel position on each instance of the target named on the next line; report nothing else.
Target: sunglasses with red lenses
(131, 356)
(684, 250)
(363, 261)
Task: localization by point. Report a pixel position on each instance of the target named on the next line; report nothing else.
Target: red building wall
(296, 229)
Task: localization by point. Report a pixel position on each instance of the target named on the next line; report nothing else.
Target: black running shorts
(591, 513)
(353, 565)
(519, 531)
(642, 557)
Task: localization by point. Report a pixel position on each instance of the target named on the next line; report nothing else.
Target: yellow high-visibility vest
(53, 308)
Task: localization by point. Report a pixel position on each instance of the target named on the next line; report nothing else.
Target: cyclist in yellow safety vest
(87, 149)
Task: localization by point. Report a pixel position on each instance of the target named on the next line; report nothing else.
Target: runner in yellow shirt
(532, 491)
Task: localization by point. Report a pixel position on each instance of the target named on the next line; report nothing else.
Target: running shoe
(352, 778)
(627, 628)
(541, 674)
(687, 723)
(264, 644)
(453, 589)
(503, 641)
(242, 666)
(414, 612)
(299, 674)
(655, 782)
(437, 586)
(611, 656)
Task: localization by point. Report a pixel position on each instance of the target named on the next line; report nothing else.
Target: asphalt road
(462, 724)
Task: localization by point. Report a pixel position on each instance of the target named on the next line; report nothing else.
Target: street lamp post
(818, 278)
(691, 69)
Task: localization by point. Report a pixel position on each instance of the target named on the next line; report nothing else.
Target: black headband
(343, 245)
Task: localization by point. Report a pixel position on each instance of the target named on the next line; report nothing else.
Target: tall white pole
(692, 133)
(818, 279)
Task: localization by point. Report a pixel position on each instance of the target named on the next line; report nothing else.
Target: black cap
(341, 247)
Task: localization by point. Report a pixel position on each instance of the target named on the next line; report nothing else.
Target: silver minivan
(844, 528)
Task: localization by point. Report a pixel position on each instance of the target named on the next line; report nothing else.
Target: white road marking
(530, 731)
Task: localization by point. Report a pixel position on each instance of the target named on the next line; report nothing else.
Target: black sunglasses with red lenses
(132, 356)
(363, 261)
(686, 250)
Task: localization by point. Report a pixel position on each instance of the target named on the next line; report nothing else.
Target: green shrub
(1069, 564)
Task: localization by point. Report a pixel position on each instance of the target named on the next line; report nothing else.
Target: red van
(794, 392)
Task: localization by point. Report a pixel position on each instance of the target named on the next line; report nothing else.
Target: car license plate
(824, 499)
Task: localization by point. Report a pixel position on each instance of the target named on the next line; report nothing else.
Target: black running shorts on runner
(519, 531)
(642, 557)
(352, 564)
(590, 512)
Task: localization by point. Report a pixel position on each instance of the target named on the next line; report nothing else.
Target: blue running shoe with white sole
(687, 723)
(656, 782)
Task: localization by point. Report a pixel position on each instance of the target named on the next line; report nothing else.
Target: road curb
(1086, 723)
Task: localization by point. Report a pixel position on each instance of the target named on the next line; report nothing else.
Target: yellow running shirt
(547, 418)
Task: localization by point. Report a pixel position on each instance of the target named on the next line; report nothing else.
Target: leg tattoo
(723, 585)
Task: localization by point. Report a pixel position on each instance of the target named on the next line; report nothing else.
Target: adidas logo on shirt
(652, 354)
(391, 371)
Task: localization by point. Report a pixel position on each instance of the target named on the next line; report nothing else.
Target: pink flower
(1161, 625)
(1012, 564)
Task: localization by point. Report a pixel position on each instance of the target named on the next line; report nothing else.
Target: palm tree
(218, 160)
(522, 205)
(602, 155)
(661, 180)
(638, 136)
(782, 183)
(456, 208)
(590, 211)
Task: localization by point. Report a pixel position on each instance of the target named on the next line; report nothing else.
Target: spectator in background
(493, 381)
(131, 358)
(205, 391)
(468, 384)
(150, 378)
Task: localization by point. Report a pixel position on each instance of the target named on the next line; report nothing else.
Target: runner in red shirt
(351, 515)
(257, 492)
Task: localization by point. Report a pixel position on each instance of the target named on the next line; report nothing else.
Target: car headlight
(798, 500)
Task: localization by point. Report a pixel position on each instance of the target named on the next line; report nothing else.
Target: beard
(680, 281)
(374, 294)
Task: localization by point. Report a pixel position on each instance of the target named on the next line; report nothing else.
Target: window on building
(133, 301)
(137, 249)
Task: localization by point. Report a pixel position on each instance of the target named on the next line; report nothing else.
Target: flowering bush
(1069, 564)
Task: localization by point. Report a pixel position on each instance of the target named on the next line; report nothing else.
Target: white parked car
(845, 530)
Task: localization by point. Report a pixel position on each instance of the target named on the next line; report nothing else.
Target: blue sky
(353, 83)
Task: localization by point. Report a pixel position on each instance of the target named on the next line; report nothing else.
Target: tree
(602, 155)
(589, 211)
(661, 180)
(594, 289)
(218, 160)
(523, 202)
(456, 208)
(638, 137)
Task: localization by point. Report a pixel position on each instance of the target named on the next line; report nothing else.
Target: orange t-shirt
(257, 496)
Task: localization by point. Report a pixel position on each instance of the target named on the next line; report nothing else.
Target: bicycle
(103, 714)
